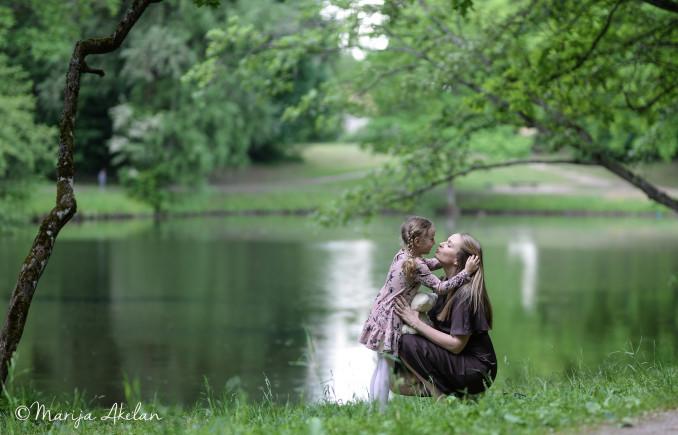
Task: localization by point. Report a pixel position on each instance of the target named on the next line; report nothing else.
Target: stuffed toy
(422, 302)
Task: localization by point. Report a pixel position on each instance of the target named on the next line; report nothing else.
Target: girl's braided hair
(413, 228)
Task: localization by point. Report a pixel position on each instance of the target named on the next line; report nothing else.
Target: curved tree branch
(400, 196)
(666, 5)
(66, 206)
(636, 180)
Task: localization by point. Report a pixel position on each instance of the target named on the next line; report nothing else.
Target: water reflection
(525, 251)
(338, 364)
(237, 298)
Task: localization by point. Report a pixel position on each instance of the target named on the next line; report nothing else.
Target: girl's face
(448, 250)
(424, 243)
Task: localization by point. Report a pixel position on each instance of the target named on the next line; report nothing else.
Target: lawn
(327, 170)
(615, 393)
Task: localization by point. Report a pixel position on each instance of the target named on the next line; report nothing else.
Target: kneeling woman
(455, 355)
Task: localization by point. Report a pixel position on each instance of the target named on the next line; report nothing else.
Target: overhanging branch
(400, 196)
(666, 5)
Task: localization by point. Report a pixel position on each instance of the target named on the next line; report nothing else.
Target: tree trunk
(66, 206)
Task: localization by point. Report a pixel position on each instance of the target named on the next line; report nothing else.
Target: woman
(455, 355)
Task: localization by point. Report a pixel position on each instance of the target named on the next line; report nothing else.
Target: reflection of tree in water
(525, 250)
(168, 308)
(83, 353)
(603, 299)
(218, 309)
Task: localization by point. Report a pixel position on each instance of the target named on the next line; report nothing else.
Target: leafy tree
(42, 44)
(23, 142)
(65, 204)
(594, 79)
(166, 134)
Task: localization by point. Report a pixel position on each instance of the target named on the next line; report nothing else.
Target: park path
(664, 422)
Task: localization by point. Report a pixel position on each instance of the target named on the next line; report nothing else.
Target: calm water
(239, 301)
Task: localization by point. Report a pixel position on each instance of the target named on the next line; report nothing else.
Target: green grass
(316, 160)
(553, 203)
(113, 200)
(91, 200)
(511, 176)
(290, 186)
(622, 389)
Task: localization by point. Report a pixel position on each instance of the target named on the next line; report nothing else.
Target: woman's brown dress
(469, 372)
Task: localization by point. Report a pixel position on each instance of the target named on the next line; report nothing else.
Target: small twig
(87, 69)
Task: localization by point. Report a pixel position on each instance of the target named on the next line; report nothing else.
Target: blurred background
(251, 131)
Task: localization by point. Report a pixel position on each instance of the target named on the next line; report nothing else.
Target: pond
(275, 305)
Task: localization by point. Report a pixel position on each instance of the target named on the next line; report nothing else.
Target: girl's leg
(373, 380)
(380, 385)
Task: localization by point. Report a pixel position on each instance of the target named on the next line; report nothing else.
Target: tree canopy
(595, 80)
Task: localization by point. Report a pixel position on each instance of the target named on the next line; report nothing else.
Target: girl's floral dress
(382, 330)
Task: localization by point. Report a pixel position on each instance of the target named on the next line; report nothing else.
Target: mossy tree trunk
(66, 206)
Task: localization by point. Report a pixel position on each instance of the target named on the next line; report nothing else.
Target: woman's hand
(472, 264)
(406, 313)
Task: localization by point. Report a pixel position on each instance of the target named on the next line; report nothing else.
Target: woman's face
(449, 249)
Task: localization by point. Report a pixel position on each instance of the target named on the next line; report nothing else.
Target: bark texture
(66, 206)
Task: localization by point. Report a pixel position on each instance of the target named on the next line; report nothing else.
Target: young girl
(408, 271)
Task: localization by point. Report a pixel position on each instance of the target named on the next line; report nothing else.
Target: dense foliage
(24, 143)
(449, 85)
(140, 121)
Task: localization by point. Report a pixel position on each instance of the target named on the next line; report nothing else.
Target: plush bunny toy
(422, 302)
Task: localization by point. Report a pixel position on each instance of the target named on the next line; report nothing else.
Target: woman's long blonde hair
(473, 292)
(413, 228)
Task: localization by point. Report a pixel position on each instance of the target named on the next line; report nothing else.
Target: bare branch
(86, 69)
(634, 179)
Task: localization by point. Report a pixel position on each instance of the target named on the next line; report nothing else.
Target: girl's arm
(453, 343)
(432, 263)
(443, 287)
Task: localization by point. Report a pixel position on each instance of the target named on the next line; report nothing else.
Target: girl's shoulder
(399, 255)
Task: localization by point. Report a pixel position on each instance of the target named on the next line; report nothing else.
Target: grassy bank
(614, 394)
(327, 170)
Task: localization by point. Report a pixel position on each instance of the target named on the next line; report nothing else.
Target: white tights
(380, 383)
